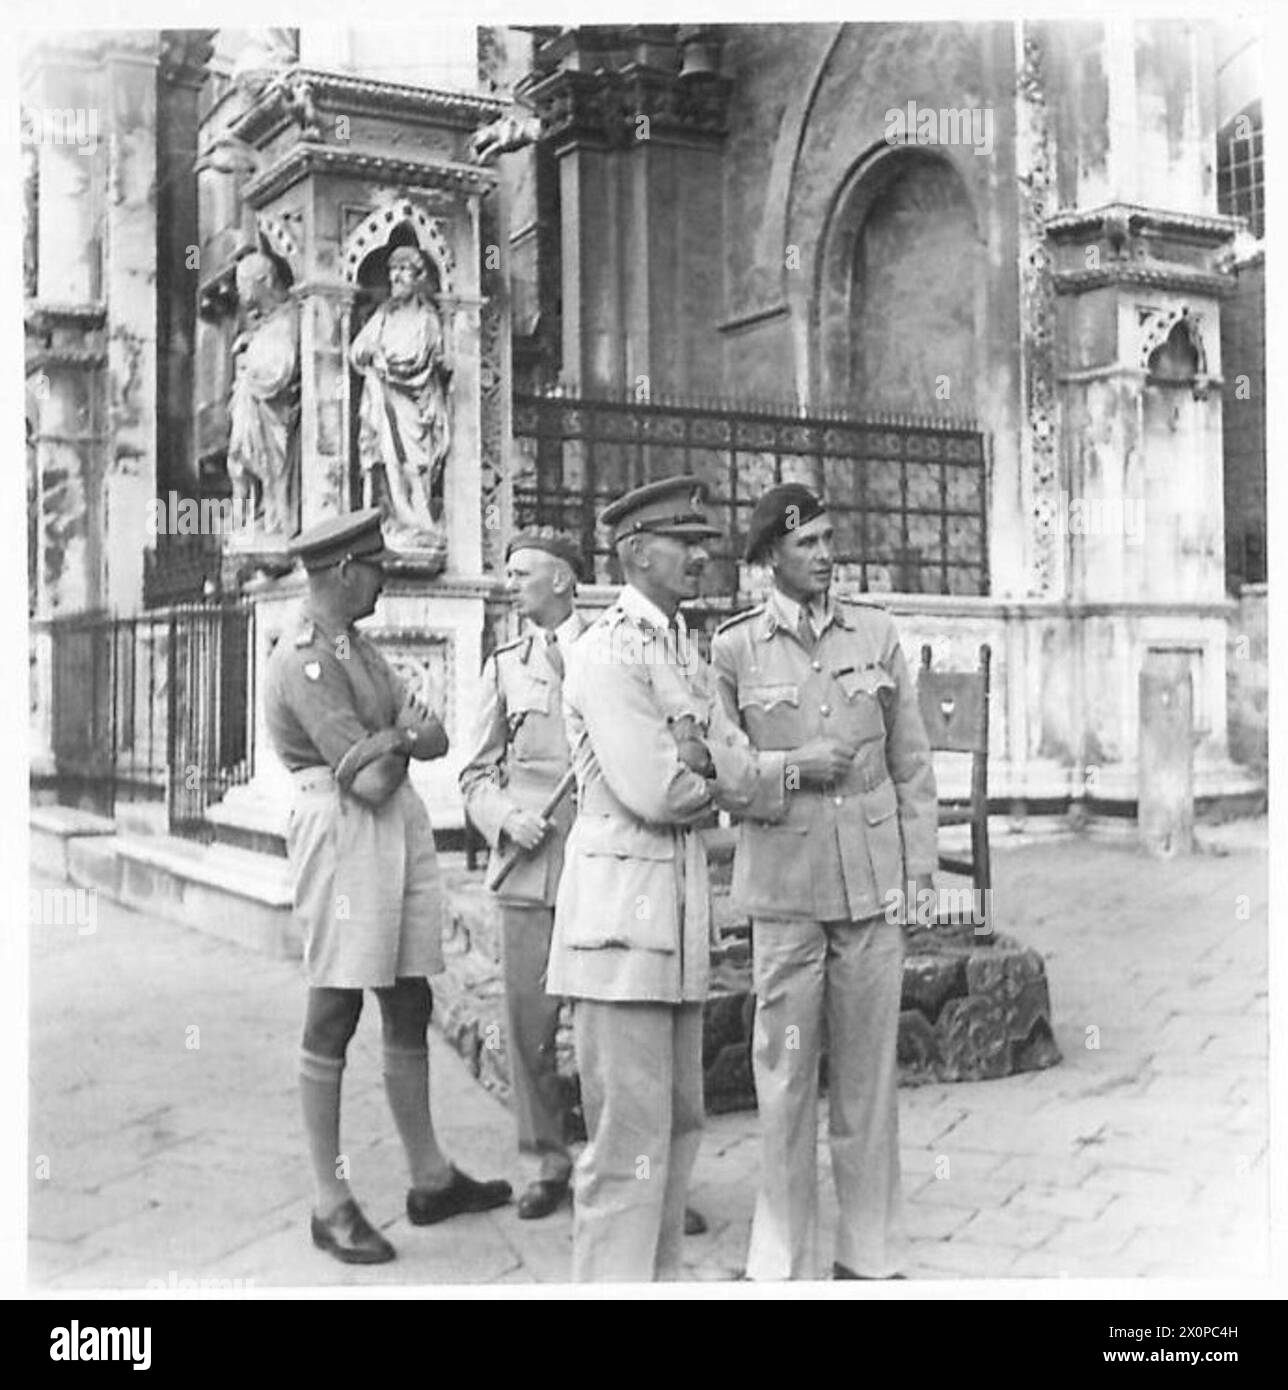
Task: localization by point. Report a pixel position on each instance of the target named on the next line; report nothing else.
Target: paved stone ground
(165, 1143)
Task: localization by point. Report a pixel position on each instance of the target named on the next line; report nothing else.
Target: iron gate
(907, 494)
(157, 706)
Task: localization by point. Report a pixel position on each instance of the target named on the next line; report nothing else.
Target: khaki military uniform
(518, 753)
(365, 883)
(632, 927)
(816, 883)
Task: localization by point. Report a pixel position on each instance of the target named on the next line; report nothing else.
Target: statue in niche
(264, 407)
(404, 420)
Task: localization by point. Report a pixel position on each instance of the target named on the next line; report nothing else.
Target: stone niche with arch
(346, 171)
(900, 294)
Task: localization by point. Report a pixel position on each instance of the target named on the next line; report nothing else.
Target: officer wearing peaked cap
(824, 684)
(654, 754)
(366, 888)
(518, 755)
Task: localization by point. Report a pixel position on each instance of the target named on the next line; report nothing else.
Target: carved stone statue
(404, 419)
(264, 408)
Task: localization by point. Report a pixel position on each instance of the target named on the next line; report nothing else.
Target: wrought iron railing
(908, 494)
(158, 706)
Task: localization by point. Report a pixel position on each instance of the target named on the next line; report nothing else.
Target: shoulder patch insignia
(313, 670)
(741, 617)
(304, 637)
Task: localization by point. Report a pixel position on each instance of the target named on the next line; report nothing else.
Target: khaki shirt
(632, 920)
(325, 691)
(837, 853)
(518, 753)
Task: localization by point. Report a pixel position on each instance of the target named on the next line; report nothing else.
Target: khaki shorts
(366, 891)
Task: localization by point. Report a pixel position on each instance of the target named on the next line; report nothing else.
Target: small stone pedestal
(973, 1008)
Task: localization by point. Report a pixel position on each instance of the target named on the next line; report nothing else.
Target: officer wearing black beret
(824, 685)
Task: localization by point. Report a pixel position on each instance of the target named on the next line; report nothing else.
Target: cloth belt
(309, 779)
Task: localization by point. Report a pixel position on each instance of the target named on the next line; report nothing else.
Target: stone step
(55, 828)
(235, 894)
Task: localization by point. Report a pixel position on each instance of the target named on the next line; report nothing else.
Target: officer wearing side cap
(654, 754)
(518, 754)
(366, 888)
(824, 683)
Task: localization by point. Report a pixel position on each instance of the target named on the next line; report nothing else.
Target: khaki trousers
(531, 1026)
(641, 1088)
(845, 977)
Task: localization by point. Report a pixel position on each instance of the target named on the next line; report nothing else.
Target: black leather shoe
(695, 1224)
(461, 1195)
(840, 1271)
(542, 1197)
(350, 1237)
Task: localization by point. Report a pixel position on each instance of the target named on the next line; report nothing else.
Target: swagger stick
(497, 876)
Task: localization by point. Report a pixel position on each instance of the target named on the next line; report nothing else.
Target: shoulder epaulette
(512, 644)
(740, 617)
(864, 601)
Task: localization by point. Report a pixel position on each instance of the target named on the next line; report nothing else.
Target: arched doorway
(900, 292)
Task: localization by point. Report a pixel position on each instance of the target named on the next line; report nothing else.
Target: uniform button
(840, 800)
(825, 710)
(817, 665)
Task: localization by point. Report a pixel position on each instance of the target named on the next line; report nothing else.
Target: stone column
(130, 232)
(1136, 521)
(639, 153)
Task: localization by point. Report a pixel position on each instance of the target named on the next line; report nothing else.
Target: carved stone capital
(605, 108)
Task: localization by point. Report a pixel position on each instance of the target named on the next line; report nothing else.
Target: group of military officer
(804, 727)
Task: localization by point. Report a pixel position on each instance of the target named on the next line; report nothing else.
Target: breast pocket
(770, 713)
(528, 709)
(869, 692)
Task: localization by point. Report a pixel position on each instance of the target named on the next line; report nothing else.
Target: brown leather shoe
(542, 1197)
(461, 1195)
(695, 1224)
(350, 1237)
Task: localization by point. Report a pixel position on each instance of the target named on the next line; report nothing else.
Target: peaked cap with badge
(669, 507)
(353, 536)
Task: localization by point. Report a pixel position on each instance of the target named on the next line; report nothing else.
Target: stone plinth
(973, 1008)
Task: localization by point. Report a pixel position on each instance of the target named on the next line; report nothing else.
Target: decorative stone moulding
(1157, 326)
(1156, 275)
(307, 158)
(1142, 246)
(376, 230)
(65, 335)
(604, 107)
(277, 237)
(45, 316)
(297, 93)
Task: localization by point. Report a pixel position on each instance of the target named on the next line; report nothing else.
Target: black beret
(551, 541)
(783, 508)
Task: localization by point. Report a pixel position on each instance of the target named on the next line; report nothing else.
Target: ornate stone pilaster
(1035, 174)
(636, 119)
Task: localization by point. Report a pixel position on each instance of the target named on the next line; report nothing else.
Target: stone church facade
(973, 280)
